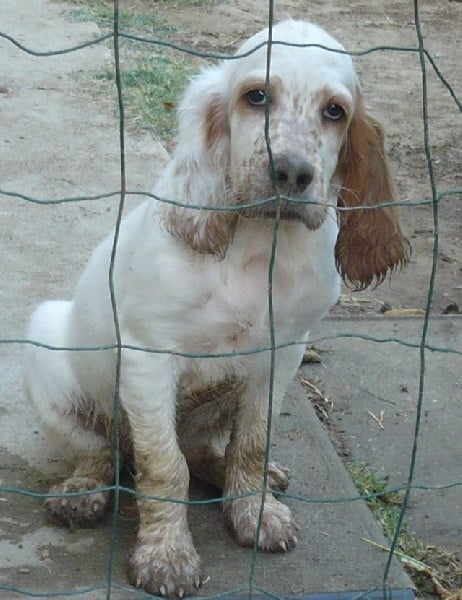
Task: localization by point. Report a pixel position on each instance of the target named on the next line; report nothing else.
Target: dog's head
(289, 142)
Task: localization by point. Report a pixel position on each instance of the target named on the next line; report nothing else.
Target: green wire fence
(423, 346)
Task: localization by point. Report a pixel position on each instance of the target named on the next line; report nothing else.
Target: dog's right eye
(256, 97)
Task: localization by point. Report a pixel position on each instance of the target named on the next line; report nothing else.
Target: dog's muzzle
(291, 176)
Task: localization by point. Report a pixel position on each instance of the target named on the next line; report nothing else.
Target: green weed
(151, 87)
(386, 507)
(142, 23)
(432, 569)
(153, 78)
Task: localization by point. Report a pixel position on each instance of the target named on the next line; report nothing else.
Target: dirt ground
(392, 82)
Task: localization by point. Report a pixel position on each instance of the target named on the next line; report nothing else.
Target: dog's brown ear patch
(370, 243)
(210, 235)
(216, 125)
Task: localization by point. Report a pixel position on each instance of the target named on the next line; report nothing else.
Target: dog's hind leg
(53, 389)
(203, 437)
(204, 431)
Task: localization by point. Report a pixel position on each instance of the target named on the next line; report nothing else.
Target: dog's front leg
(164, 560)
(245, 460)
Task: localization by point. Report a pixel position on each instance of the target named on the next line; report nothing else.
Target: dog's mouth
(311, 215)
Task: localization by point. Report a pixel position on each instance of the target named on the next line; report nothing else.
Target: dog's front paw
(77, 510)
(278, 528)
(171, 571)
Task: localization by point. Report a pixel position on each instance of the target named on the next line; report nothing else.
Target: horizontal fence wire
(423, 346)
(313, 340)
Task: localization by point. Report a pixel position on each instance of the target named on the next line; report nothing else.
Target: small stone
(386, 306)
(451, 308)
(311, 356)
(24, 570)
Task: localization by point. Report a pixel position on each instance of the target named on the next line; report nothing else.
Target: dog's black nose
(293, 173)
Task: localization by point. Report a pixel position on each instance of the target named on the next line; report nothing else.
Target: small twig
(379, 420)
(313, 388)
(233, 42)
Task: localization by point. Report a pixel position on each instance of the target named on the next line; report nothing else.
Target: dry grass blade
(322, 403)
(432, 573)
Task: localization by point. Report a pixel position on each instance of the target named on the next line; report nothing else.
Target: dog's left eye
(334, 112)
(256, 97)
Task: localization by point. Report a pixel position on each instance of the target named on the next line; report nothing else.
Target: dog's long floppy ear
(370, 243)
(203, 117)
(201, 165)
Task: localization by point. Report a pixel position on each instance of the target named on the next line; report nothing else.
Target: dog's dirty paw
(170, 571)
(278, 528)
(77, 510)
(278, 477)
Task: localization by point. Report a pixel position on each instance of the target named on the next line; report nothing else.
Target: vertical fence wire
(117, 332)
(431, 288)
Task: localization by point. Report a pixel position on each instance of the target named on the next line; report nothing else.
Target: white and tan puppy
(191, 281)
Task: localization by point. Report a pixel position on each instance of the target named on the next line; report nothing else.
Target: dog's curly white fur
(196, 281)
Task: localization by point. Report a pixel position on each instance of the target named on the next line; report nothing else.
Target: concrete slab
(331, 556)
(367, 380)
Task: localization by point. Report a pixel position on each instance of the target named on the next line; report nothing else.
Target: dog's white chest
(243, 301)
